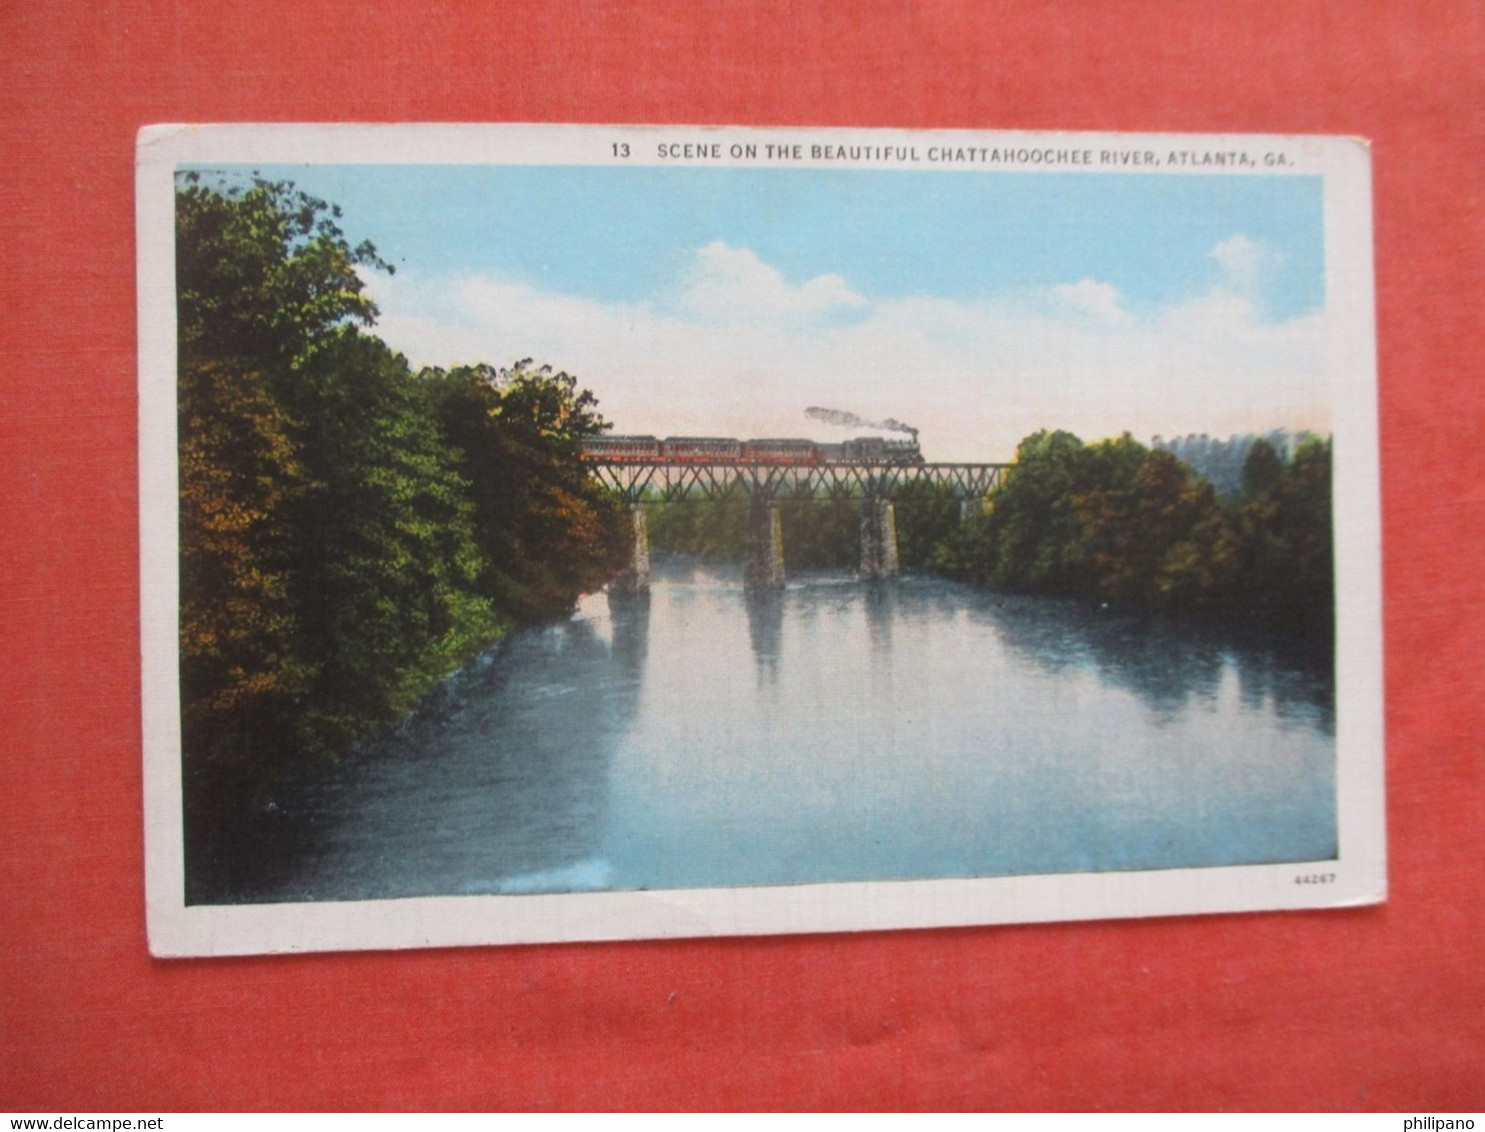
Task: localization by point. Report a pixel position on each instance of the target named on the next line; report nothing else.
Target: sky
(977, 306)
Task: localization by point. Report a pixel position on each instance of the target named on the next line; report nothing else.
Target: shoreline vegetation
(1113, 523)
(353, 530)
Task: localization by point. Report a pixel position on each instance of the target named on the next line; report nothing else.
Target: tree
(241, 666)
(384, 563)
(714, 528)
(821, 531)
(262, 274)
(926, 513)
(1111, 521)
(1032, 525)
(1149, 530)
(1262, 469)
(349, 532)
(262, 271)
(545, 529)
(327, 559)
(1286, 572)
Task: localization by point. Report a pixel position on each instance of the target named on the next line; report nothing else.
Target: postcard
(585, 533)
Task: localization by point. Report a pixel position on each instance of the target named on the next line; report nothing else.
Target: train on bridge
(864, 450)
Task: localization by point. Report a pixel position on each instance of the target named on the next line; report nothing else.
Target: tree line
(818, 533)
(1221, 461)
(1133, 527)
(1113, 522)
(351, 530)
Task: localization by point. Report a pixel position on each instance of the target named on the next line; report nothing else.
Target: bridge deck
(638, 479)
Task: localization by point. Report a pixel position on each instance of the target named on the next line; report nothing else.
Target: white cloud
(1246, 265)
(736, 350)
(723, 284)
(1101, 300)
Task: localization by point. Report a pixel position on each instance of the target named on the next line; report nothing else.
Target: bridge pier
(635, 578)
(764, 568)
(640, 467)
(878, 538)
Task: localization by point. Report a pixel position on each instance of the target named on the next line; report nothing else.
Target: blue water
(838, 731)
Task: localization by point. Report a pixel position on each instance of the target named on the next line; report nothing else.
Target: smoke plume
(851, 420)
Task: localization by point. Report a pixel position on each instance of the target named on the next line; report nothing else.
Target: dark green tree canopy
(350, 531)
(1262, 469)
(1133, 527)
(262, 270)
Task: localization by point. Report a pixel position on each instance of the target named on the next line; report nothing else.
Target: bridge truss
(640, 481)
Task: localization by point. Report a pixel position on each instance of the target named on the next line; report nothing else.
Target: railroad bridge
(643, 479)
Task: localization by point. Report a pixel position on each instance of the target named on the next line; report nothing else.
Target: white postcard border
(176, 929)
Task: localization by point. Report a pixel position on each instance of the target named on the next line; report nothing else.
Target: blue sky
(988, 303)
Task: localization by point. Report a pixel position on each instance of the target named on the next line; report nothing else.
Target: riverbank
(837, 730)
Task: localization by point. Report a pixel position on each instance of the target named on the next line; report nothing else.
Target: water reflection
(921, 729)
(765, 609)
(1169, 664)
(1300, 691)
(880, 599)
(703, 736)
(497, 783)
(629, 617)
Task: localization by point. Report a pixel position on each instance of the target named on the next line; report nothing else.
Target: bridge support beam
(764, 568)
(635, 578)
(878, 538)
(971, 507)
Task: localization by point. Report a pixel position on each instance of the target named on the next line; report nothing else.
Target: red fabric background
(1378, 1008)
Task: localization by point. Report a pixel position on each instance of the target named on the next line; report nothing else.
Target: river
(839, 730)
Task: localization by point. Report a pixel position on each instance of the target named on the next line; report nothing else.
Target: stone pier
(636, 576)
(764, 568)
(878, 538)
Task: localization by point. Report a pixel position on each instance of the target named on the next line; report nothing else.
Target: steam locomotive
(723, 450)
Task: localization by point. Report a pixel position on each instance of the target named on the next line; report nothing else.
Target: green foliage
(241, 668)
(1029, 539)
(262, 271)
(1144, 524)
(263, 277)
(1285, 553)
(545, 530)
(1119, 523)
(821, 533)
(349, 531)
(1221, 460)
(818, 532)
(714, 529)
(1262, 469)
(383, 556)
(926, 514)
